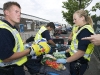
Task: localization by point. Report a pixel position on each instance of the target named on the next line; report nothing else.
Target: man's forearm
(51, 42)
(17, 55)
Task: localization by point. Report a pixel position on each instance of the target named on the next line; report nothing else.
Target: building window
(28, 25)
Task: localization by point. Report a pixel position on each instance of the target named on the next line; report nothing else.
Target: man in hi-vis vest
(12, 52)
(42, 34)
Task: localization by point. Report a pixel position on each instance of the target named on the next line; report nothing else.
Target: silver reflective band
(85, 55)
(2, 64)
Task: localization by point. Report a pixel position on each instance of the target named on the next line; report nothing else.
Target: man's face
(13, 14)
(50, 29)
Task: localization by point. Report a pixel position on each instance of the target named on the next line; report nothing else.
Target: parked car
(64, 29)
(69, 29)
(58, 28)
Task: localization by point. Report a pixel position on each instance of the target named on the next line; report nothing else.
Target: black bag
(46, 70)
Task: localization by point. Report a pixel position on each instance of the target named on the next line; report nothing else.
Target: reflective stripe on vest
(75, 28)
(18, 46)
(38, 35)
(85, 55)
(74, 44)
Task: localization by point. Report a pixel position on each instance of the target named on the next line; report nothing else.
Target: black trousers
(12, 70)
(34, 65)
(79, 71)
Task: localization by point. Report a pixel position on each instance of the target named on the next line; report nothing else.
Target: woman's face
(77, 19)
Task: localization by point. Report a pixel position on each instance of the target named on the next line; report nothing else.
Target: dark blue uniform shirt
(7, 42)
(46, 35)
(83, 43)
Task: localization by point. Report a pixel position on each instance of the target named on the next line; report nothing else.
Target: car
(57, 30)
(64, 29)
(58, 27)
(69, 29)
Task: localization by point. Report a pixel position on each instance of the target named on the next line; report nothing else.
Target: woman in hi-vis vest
(80, 50)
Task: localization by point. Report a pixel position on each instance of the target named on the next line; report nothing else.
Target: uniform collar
(5, 21)
(82, 26)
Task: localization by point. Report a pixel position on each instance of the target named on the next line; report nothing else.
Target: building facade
(28, 25)
(28, 22)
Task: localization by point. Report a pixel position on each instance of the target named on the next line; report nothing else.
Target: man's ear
(6, 12)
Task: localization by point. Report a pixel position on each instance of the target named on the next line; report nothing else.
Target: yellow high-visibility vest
(38, 35)
(74, 44)
(74, 30)
(17, 48)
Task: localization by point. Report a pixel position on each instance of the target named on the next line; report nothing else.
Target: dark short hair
(7, 5)
(51, 25)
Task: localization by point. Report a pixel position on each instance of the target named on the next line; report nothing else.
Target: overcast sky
(46, 9)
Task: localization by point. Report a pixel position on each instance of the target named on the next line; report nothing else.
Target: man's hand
(26, 46)
(31, 51)
(95, 39)
(87, 38)
(63, 61)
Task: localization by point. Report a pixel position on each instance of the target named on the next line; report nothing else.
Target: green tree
(72, 5)
(94, 9)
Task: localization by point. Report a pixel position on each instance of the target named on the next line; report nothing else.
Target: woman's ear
(83, 18)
